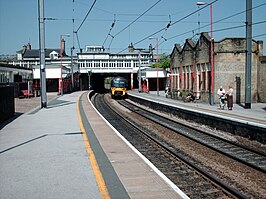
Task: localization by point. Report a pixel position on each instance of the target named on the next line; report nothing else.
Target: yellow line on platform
(95, 167)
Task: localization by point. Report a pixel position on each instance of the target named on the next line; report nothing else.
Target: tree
(163, 62)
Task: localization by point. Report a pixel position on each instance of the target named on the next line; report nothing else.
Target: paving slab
(42, 155)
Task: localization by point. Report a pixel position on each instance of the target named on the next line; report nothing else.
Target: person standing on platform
(229, 96)
(221, 95)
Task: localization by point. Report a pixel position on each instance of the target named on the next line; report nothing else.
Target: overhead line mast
(42, 53)
(248, 54)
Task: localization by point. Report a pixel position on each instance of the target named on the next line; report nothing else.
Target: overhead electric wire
(166, 28)
(218, 21)
(76, 32)
(263, 34)
(137, 18)
(194, 12)
(235, 27)
(110, 42)
(86, 15)
(173, 23)
(148, 15)
(78, 40)
(234, 15)
(109, 33)
(218, 30)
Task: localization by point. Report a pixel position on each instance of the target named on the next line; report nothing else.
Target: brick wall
(229, 67)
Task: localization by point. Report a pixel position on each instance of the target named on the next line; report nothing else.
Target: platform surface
(43, 154)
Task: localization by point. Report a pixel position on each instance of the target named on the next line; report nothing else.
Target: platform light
(156, 63)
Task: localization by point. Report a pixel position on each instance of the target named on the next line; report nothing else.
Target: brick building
(191, 68)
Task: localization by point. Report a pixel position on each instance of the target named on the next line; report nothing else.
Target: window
(97, 64)
(198, 68)
(209, 80)
(203, 84)
(119, 64)
(184, 69)
(208, 67)
(203, 66)
(127, 64)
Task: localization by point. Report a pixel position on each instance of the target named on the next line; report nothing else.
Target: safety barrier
(7, 102)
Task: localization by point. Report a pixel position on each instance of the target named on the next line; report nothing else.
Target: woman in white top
(221, 94)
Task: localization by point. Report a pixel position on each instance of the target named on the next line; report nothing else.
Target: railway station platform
(248, 123)
(68, 151)
(254, 116)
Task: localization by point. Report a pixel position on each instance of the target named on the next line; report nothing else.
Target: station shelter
(150, 77)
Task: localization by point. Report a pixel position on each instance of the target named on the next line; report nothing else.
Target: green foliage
(164, 62)
(183, 94)
(169, 93)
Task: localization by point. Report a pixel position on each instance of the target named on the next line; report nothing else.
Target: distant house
(191, 68)
(55, 64)
(27, 54)
(54, 55)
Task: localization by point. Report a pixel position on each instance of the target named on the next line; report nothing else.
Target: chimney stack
(131, 48)
(28, 47)
(63, 45)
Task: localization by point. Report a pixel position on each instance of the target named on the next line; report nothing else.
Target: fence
(7, 102)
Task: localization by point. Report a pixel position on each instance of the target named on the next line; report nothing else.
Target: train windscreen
(119, 84)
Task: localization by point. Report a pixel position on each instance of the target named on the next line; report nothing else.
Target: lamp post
(211, 54)
(139, 74)
(72, 76)
(156, 64)
(199, 3)
(60, 85)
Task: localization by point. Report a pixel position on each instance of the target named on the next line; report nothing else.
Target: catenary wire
(181, 19)
(86, 15)
(137, 18)
(76, 32)
(109, 33)
(218, 21)
(219, 30)
(235, 27)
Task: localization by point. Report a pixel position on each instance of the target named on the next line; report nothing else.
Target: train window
(119, 84)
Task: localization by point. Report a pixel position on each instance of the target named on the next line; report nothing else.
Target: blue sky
(19, 22)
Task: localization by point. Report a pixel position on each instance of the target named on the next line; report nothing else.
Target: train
(118, 87)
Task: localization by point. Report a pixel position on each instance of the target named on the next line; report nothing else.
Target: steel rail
(260, 166)
(213, 179)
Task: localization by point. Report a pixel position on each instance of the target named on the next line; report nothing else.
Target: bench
(26, 93)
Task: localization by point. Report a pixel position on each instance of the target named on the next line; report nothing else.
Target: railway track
(185, 173)
(248, 156)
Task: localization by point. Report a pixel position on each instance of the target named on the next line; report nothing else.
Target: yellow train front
(118, 87)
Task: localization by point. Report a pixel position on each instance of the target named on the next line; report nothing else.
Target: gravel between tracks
(242, 178)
